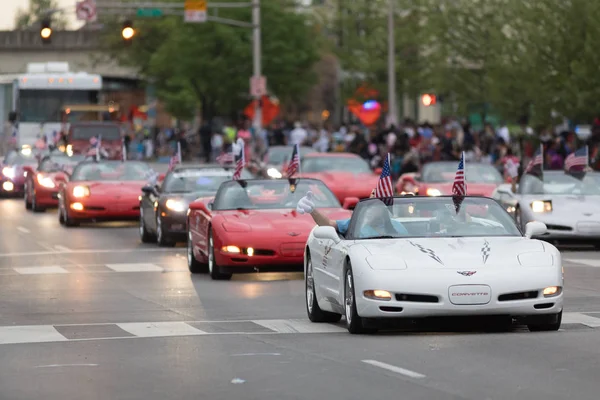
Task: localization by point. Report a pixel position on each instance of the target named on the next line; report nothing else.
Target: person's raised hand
(512, 169)
(306, 204)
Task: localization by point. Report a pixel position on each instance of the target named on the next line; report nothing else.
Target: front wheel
(354, 322)
(552, 323)
(213, 269)
(194, 265)
(162, 238)
(315, 314)
(26, 196)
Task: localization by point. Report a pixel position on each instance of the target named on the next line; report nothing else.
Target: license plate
(470, 294)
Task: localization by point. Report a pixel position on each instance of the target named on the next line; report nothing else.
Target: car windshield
(259, 194)
(355, 165)
(423, 217)
(24, 157)
(560, 183)
(201, 180)
(441, 172)
(279, 155)
(61, 163)
(111, 171)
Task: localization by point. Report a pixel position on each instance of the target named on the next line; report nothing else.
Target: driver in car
(377, 219)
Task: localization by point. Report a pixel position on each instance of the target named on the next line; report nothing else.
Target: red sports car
(253, 225)
(346, 174)
(41, 183)
(102, 191)
(436, 179)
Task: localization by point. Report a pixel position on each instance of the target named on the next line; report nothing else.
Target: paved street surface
(91, 313)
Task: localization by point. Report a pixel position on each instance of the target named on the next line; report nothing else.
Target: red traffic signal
(428, 99)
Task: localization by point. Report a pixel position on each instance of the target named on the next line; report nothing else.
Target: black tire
(145, 235)
(61, 218)
(194, 265)
(69, 222)
(34, 206)
(354, 322)
(315, 314)
(26, 197)
(552, 324)
(162, 239)
(213, 268)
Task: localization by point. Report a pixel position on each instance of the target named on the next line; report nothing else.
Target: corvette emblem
(293, 233)
(467, 273)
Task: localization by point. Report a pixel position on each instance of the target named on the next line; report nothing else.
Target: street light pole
(256, 56)
(392, 107)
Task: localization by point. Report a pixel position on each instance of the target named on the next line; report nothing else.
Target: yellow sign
(195, 11)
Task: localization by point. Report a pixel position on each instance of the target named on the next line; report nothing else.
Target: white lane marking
(141, 267)
(62, 248)
(298, 326)
(580, 318)
(393, 368)
(48, 253)
(30, 334)
(160, 329)
(53, 269)
(255, 354)
(65, 365)
(23, 229)
(586, 262)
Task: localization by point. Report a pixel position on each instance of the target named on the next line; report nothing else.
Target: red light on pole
(428, 100)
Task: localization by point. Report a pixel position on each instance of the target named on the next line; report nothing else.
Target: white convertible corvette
(419, 258)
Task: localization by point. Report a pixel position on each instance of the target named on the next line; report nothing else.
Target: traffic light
(128, 32)
(428, 99)
(46, 31)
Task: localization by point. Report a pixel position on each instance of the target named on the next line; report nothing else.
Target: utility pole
(392, 118)
(256, 58)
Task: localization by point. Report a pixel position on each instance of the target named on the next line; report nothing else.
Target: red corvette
(41, 183)
(436, 179)
(253, 225)
(346, 174)
(102, 191)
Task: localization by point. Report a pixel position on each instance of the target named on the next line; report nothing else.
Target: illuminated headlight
(511, 209)
(552, 291)
(45, 181)
(176, 205)
(433, 192)
(69, 150)
(8, 172)
(541, 206)
(26, 151)
(231, 249)
(378, 294)
(8, 186)
(81, 191)
(273, 173)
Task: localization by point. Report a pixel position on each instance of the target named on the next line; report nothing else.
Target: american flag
(538, 161)
(577, 159)
(294, 165)
(459, 187)
(239, 165)
(385, 189)
(225, 158)
(176, 159)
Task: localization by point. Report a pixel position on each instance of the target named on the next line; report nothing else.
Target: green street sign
(149, 12)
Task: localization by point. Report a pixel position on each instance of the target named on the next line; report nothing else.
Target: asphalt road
(91, 313)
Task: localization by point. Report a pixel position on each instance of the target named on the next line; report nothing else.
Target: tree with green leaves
(208, 65)
(37, 10)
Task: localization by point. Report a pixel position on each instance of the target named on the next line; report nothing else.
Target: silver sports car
(568, 205)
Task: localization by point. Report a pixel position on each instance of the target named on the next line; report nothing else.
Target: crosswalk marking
(587, 262)
(53, 269)
(132, 330)
(141, 267)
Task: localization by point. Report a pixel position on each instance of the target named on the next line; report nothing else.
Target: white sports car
(419, 258)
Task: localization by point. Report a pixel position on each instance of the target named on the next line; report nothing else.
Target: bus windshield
(43, 105)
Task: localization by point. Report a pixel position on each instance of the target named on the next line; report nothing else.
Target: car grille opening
(417, 298)
(558, 227)
(518, 296)
(263, 252)
(95, 208)
(543, 306)
(391, 309)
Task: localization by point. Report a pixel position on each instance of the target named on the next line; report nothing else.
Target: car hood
(456, 253)
(474, 189)
(275, 222)
(341, 179)
(129, 188)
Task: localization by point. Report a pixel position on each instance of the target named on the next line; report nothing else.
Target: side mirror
(377, 171)
(200, 206)
(326, 233)
(350, 203)
(148, 189)
(535, 228)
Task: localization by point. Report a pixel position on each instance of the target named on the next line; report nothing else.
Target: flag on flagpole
(226, 158)
(579, 158)
(294, 165)
(98, 146)
(385, 189)
(459, 187)
(536, 166)
(176, 158)
(240, 161)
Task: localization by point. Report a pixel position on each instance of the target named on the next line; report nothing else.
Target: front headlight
(45, 181)
(433, 192)
(176, 205)
(8, 172)
(539, 206)
(273, 173)
(552, 291)
(81, 191)
(69, 150)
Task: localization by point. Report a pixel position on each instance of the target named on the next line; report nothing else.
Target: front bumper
(99, 210)
(46, 197)
(570, 230)
(174, 225)
(11, 187)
